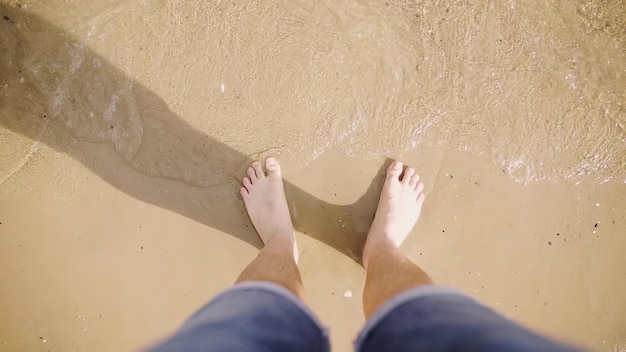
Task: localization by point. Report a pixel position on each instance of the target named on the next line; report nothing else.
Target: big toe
(272, 166)
(394, 170)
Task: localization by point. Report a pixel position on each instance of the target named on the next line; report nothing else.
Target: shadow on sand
(56, 91)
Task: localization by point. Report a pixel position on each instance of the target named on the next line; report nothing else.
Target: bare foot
(398, 209)
(264, 197)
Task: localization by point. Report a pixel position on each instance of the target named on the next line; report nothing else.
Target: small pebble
(347, 293)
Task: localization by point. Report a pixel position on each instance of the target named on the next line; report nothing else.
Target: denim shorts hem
(271, 287)
(398, 300)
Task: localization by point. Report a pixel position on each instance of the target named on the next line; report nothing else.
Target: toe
(414, 180)
(420, 187)
(272, 167)
(252, 175)
(244, 192)
(394, 170)
(247, 183)
(256, 165)
(420, 198)
(408, 174)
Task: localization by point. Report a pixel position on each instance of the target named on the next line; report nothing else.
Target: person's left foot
(264, 197)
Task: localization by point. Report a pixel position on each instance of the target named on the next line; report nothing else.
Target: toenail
(396, 165)
(271, 161)
(256, 163)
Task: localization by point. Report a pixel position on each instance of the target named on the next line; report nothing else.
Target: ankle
(281, 245)
(374, 246)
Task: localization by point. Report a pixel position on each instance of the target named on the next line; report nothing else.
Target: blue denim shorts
(263, 316)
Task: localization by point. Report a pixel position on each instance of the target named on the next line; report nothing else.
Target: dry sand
(125, 126)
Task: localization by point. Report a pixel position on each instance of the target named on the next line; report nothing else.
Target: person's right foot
(398, 209)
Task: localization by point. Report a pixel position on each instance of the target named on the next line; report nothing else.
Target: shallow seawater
(125, 128)
(536, 87)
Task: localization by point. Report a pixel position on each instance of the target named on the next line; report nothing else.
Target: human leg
(265, 202)
(264, 310)
(405, 311)
(389, 272)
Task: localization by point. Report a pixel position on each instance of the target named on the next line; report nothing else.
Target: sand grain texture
(126, 125)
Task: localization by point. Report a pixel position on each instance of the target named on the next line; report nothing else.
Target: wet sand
(120, 154)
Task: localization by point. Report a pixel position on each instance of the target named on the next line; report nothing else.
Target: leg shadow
(55, 90)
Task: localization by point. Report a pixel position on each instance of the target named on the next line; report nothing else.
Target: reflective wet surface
(512, 111)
